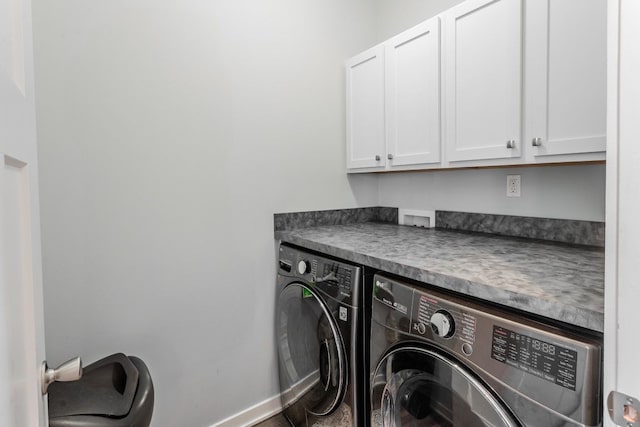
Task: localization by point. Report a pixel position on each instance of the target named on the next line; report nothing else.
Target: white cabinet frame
(565, 78)
(413, 103)
(483, 80)
(365, 110)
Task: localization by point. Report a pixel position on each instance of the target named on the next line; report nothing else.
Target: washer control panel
(535, 356)
(336, 279)
(434, 317)
(429, 316)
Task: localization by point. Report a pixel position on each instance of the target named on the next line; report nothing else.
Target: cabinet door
(483, 69)
(565, 77)
(365, 109)
(413, 95)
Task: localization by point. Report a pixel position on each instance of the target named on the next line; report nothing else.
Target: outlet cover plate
(418, 218)
(513, 185)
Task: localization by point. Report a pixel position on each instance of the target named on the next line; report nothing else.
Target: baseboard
(253, 415)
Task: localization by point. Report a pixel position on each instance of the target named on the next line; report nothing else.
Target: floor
(342, 417)
(275, 421)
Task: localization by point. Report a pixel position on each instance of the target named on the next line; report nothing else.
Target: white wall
(169, 133)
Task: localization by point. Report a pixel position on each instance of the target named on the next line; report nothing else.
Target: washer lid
(415, 386)
(310, 351)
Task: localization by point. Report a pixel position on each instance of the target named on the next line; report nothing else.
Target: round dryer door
(420, 387)
(310, 351)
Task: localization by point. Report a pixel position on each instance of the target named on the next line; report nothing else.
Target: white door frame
(622, 279)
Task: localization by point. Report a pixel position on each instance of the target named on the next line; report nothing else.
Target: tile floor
(275, 421)
(342, 417)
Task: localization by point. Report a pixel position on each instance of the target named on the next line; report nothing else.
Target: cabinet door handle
(536, 142)
(377, 158)
(511, 143)
(390, 156)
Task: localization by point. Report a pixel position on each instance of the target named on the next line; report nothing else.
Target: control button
(467, 349)
(442, 324)
(303, 266)
(422, 328)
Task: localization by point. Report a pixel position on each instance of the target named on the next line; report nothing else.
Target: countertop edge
(585, 318)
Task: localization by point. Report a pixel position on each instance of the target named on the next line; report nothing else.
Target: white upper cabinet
(365, 110)
(565, 79)
(486, 83)
(412, 78)
(482, 75)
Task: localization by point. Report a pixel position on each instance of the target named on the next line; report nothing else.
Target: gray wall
(570, 192)
(169, 133)
(394, 16)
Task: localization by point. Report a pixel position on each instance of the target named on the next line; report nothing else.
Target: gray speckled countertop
(557, 281)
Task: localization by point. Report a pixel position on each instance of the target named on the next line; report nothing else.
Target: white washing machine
(440, 360)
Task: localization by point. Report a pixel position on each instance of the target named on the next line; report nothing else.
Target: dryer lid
(414, 386)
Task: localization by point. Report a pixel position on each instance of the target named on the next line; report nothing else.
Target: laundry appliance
(321, 339)
(442, 360)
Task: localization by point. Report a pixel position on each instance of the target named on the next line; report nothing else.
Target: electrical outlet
(513, 185)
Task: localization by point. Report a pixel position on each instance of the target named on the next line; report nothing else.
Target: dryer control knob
(442, 324)
(303, 266)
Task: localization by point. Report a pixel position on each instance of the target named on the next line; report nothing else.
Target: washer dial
(303, 266)
(443, 324)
